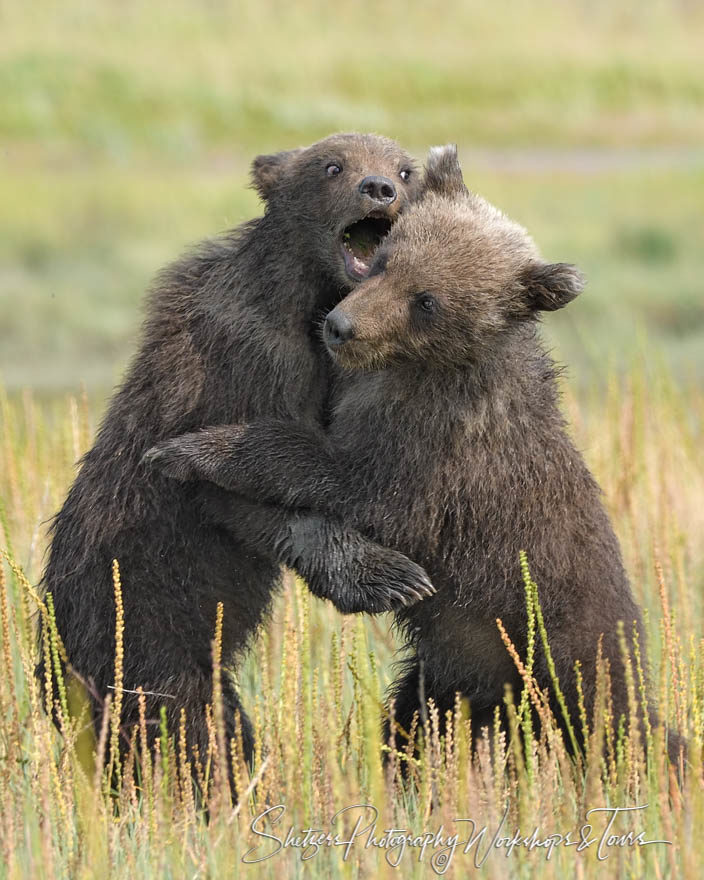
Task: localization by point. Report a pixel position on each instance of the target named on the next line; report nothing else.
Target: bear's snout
(378, 189)
(338, 329)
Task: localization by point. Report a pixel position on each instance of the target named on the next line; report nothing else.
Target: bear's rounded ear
(443, 174)
(551, 286)
(267, 170)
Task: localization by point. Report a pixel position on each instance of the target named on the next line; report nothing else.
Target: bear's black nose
(380, 189)
(337, 329)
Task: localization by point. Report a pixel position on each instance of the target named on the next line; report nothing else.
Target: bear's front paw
(393, 581)
(177, 458)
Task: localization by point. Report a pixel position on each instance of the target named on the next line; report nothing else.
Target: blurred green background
(126, 130)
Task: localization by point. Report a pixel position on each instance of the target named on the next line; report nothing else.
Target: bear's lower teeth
(354, 256)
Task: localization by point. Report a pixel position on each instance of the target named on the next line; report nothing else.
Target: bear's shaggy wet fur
(230, 336)
(448, 444)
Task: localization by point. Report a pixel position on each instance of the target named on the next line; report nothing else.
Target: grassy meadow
(125, 134)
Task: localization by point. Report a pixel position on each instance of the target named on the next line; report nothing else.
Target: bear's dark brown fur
(447, 443)
(230, 335)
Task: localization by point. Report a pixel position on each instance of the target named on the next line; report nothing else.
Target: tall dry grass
(314, 684)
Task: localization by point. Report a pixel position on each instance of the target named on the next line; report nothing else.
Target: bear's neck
(291, 275)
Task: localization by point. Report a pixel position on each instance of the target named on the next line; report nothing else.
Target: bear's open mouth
(359, 244)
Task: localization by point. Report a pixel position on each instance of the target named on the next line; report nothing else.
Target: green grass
(179, 78)
(314, 682)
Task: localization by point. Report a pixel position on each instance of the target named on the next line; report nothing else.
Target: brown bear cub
(447, 443)
(230, 336)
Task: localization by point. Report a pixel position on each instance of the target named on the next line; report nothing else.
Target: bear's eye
(333, 169)
(426, 303)
(404, 173)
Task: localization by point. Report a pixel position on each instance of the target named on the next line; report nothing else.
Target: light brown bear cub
(447, 444)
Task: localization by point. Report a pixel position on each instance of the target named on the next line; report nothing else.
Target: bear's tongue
(360, 241)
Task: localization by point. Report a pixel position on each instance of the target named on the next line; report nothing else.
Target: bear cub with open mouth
(229, 337)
